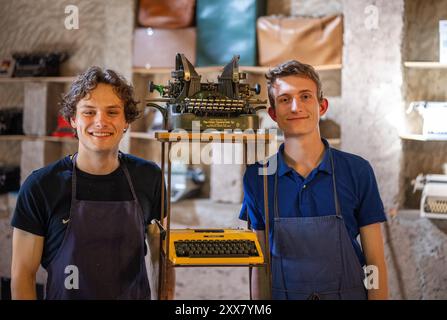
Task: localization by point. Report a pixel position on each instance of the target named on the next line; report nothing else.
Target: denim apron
(102, 254)
(313, 257)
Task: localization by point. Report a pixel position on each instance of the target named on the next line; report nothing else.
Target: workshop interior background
(390, 58)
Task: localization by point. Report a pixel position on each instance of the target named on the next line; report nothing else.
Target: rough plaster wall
(417, 257)
(372, 98)
(315, 7)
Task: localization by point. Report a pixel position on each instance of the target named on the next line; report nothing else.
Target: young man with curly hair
(84, 218)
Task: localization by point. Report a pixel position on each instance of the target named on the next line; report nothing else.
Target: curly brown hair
(292, 68)
(88, 81)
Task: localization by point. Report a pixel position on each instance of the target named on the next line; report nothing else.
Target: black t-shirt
(45, 196)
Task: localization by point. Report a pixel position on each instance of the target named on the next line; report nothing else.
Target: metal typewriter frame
(169, 138)
(216, 106)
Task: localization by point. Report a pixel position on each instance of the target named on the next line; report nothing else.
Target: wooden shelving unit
(248, 69)
(38, 79)
(420, 137)
(425, 65)
(37, 138)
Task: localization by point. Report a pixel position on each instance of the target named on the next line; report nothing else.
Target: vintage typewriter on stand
(434, 195)
(227, 104)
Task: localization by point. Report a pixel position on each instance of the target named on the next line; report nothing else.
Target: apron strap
(275, 196)
(337, 203)
(129, 180)
(73, 179)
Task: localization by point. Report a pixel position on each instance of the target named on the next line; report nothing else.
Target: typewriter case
(227, 104)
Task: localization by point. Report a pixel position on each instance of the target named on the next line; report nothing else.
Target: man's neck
(303, 153)
(97, 163)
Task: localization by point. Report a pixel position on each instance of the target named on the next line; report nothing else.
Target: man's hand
(167, 289)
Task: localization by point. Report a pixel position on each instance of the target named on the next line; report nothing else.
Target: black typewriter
(227, 104)
(38, 64)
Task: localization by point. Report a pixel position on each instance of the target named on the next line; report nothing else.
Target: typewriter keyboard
(215, 248)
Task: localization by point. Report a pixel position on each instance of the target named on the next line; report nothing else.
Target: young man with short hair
(320, 200)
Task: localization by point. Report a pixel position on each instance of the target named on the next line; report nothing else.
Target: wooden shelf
(425, 65)
(142, 135)
(38, 79)
(248, 69)
(331, 141)
(37, 138)
(420, 137)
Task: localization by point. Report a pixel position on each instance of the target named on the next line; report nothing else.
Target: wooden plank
(420, 137)
(38, 79)
(248, 69)
(37, 138)
(425, 65)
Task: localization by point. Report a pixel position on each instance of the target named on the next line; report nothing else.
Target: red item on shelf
(63, 129)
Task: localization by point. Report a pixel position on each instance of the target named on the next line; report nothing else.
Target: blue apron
(313, 257)
(104, 240)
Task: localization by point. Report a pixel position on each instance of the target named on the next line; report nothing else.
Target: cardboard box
(156, 48)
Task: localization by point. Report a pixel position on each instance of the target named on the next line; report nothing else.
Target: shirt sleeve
(251, 200)
(371, 208)
(29, 214)
(156, 206)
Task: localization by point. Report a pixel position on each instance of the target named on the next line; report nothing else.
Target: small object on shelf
(226, 28)
(434, 195)
(167, 14)
(11, 121)
(214, 247)
(315, 41)
(9, 179)
(6, 67)
(227, 104)
(434, 114)
(63, 129)
(38, 64)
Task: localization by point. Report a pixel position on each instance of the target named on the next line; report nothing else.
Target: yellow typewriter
(214, 247)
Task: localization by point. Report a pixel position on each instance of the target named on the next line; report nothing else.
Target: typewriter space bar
(219, 256)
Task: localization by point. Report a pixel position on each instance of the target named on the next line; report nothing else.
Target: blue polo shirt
(357, 191)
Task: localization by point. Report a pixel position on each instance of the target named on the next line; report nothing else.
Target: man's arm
(26, 255)
(372, 244)
(168, 292)
(259, 282)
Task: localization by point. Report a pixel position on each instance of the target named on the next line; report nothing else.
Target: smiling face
(297, 108)
(100, 120)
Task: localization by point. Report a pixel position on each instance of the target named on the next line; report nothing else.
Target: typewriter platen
(214, 247)
(227, 104)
